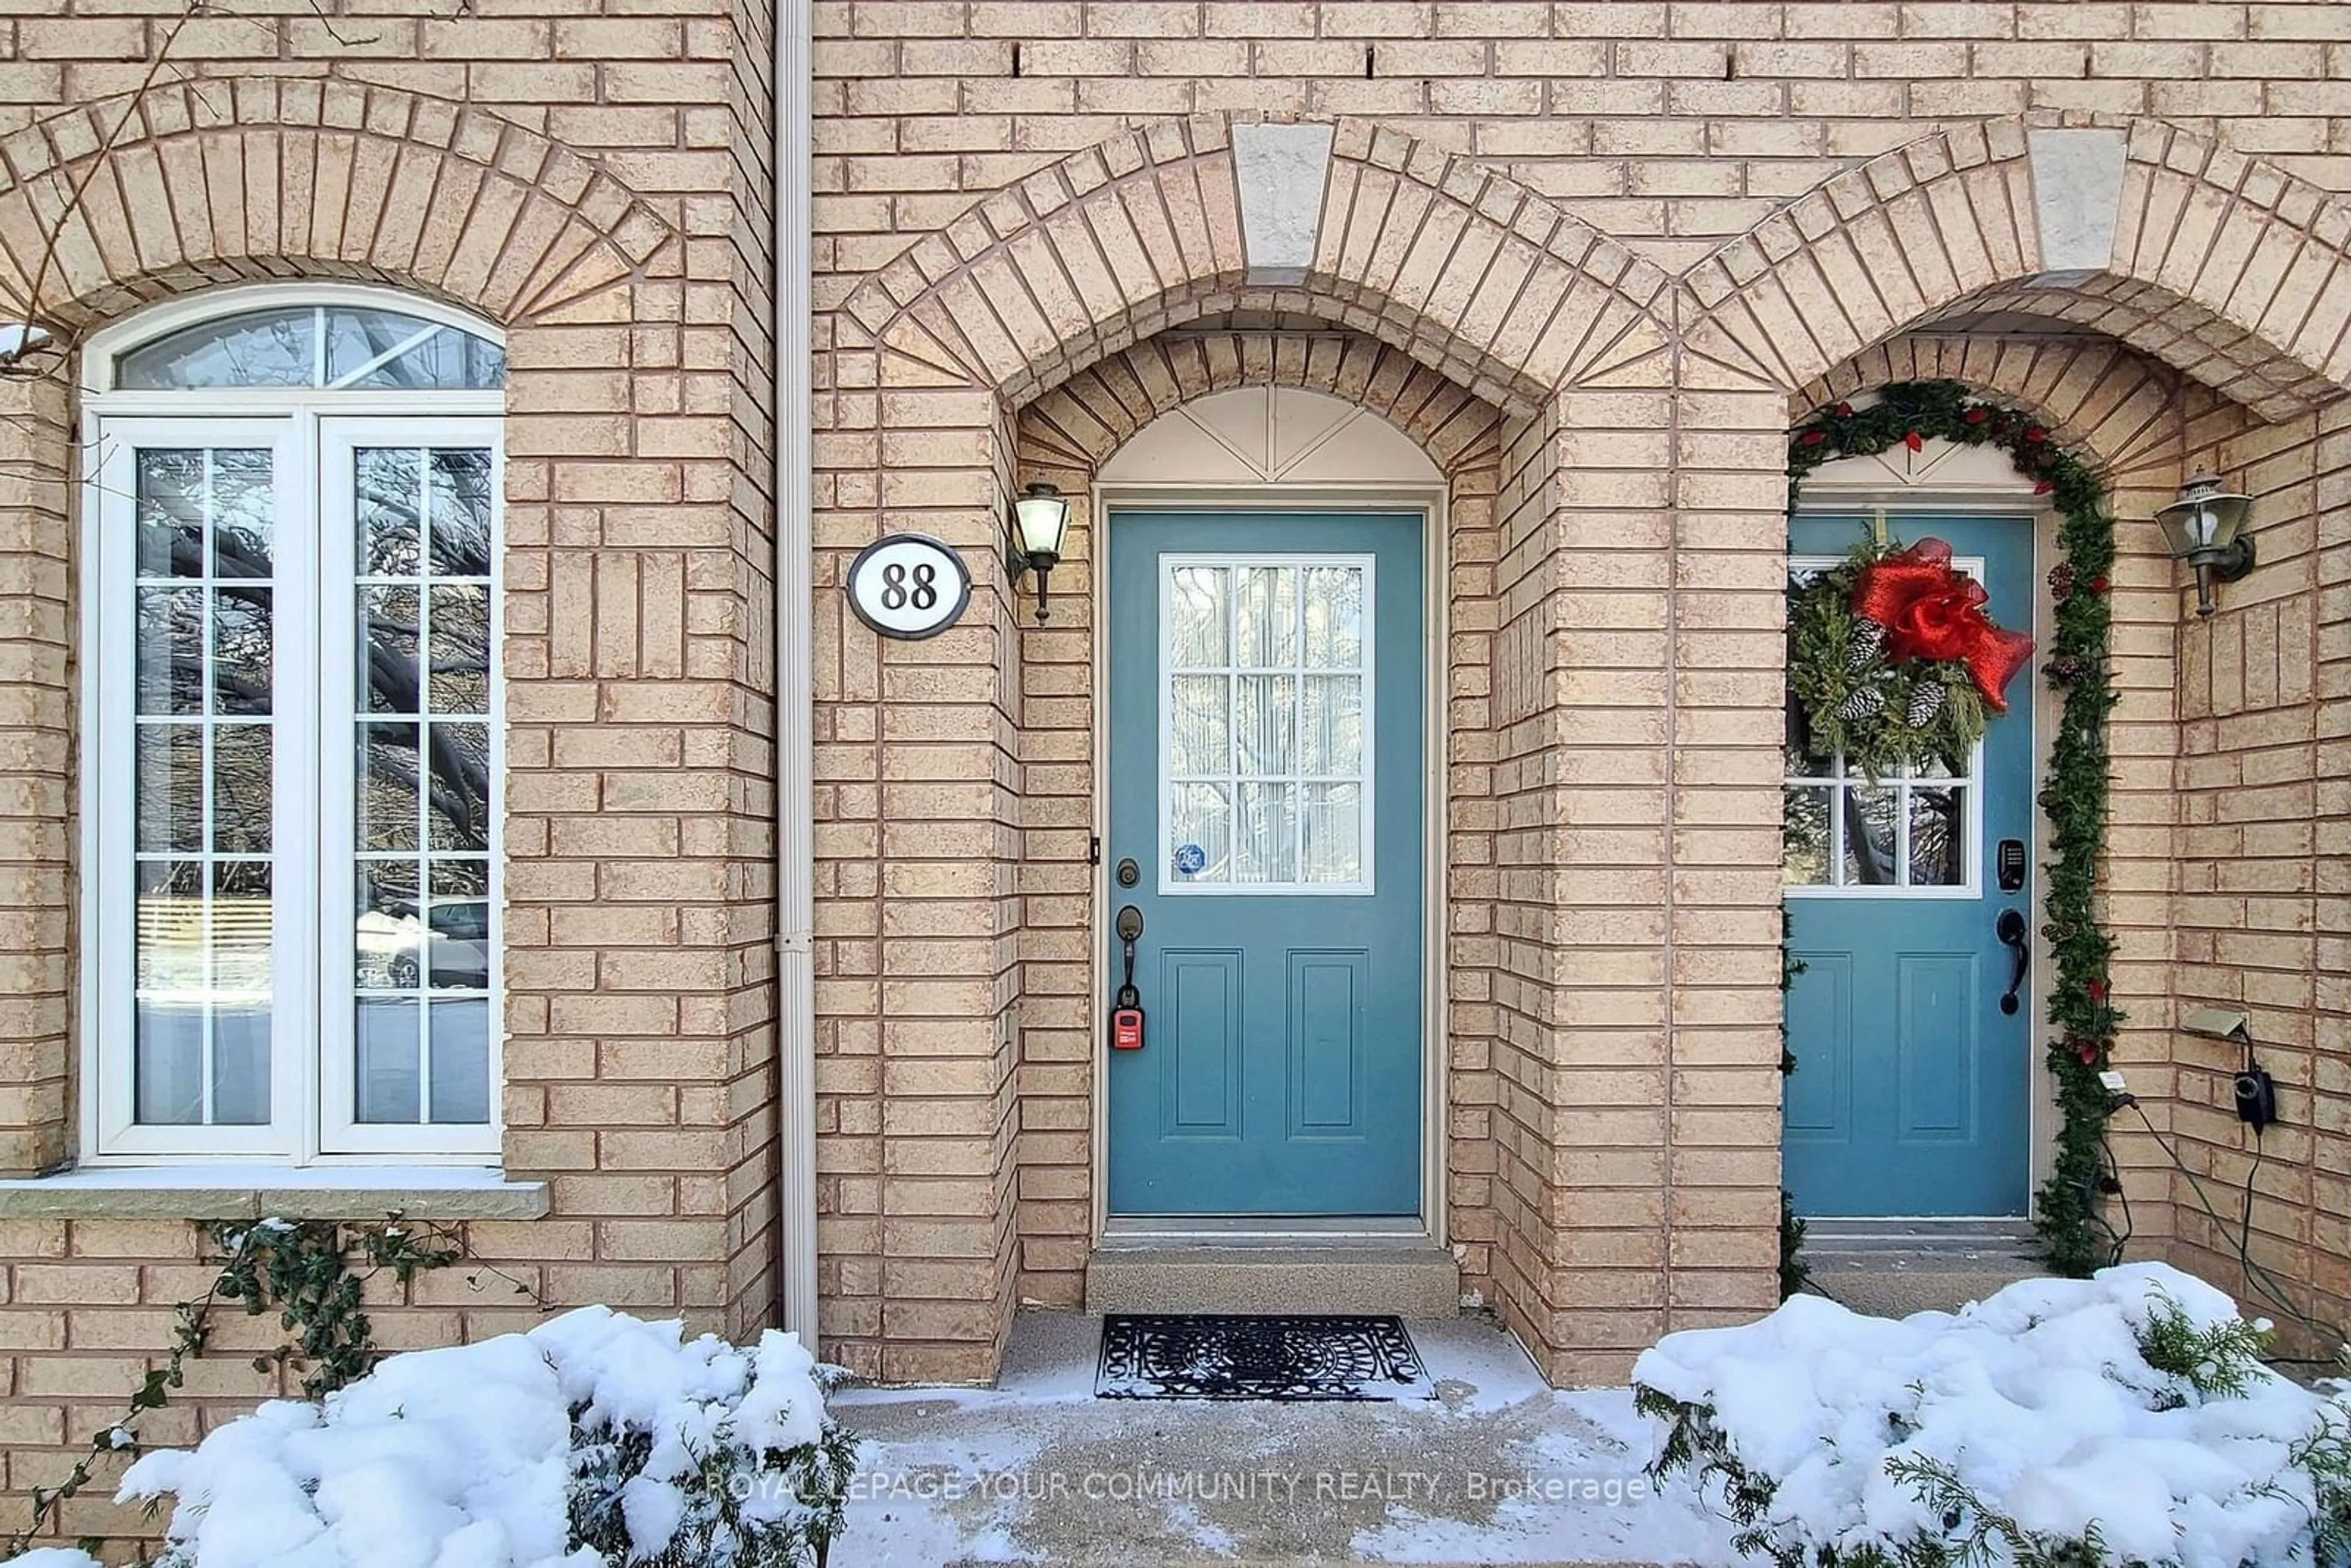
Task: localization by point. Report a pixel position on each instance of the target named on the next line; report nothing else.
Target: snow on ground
(2039, 1397)
(463, 1456)
(1497, 1468)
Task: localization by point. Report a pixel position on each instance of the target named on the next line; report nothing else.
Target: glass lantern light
(1041, 517)
(2204, 527)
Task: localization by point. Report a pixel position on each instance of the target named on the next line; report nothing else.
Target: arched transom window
(292, 517)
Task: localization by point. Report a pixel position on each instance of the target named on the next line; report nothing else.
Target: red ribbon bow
(1930, 611)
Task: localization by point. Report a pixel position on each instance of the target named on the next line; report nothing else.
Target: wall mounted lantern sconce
(2204, 527)
(1040, 520)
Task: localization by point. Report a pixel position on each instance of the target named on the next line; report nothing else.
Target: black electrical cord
(2110, 1177)
(2258, 1278)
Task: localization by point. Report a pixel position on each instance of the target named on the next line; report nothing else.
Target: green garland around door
(2072, 796)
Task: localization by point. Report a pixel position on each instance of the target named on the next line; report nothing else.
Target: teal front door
(1912, 1083)
(1267, 794)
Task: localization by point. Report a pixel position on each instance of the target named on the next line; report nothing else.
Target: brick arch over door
(1433, 253)
(1077, 427)
(2119, 407)
(1067, 435)
(203, 182)
(2224, 268)
(2130, 416)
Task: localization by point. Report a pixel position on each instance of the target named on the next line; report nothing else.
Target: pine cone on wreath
(2061, 580)
(1927, 699)
(1864, 702)
(1866, 646)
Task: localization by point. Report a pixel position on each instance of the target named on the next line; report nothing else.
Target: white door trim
(1430, 501)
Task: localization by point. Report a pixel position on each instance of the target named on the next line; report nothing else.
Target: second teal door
(1266, 776)
(1910, 1020)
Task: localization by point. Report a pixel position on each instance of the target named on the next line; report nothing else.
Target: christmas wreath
(2076, 664)
(1893, 660)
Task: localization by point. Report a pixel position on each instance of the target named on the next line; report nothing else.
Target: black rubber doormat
(1295, 1356)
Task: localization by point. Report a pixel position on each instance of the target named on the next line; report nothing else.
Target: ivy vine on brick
(313, 1273)
(2073, 794)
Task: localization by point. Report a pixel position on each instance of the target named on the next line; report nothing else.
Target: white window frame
(340, 439)
(1835, 785)
(1172, 885)
(308, 431)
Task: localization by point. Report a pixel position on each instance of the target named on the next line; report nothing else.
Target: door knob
(1126, 1008)
(2010, 929)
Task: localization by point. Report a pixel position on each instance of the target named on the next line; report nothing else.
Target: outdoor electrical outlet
(2217, 1023)
(2114, 1082)
(2256, 1098)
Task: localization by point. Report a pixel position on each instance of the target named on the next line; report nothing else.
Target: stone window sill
(247, 1192)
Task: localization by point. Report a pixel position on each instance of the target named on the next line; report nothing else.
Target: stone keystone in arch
(2229, 269)
(1281, 172)
(1450, 259)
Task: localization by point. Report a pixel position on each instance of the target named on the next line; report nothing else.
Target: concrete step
(1415, 1278)
(1892, 1267)
(1876, 1237)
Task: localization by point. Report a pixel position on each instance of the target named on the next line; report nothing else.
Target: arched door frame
(1391, 471)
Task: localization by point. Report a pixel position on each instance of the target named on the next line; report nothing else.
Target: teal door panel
(1266, 776)
(1912, 1089)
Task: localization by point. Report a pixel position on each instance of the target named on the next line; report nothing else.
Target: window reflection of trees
(266, 348)
(406, 682)
(1869, 831)
(365, 348)
(1872, 827)
(1937, 837)
(425, 519)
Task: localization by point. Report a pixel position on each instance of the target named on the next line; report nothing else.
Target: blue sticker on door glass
(1191, 859)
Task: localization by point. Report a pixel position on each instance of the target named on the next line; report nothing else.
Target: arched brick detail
(636, 565)
(2221, 267)
(334, 178)
(2093, 393)
(2132, 417)
(1066, 436)
(1078, 424)
(1430, 252)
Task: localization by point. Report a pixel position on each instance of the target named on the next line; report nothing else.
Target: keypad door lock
(1126, 1010)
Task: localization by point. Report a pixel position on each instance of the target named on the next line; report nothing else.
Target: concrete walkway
(1496, 1468)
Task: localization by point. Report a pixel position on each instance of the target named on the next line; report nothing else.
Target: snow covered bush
(2122, 1419)
(596, 1440)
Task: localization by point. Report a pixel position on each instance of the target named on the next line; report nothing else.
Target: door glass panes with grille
(1914, 832)
(1267, 745)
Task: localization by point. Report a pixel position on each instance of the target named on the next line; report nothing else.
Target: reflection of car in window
(449, 947)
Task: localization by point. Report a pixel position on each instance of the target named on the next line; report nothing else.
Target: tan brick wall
(37, 773)
(1674, 126)
(598, 187)
(2129, 416)
(1636, 231)
(2262, 917)
(1012, 197)
(1066, 436)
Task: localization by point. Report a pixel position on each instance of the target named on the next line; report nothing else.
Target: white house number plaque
(908, 586)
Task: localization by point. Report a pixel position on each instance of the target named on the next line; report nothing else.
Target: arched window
(291, 801)
(338, 347)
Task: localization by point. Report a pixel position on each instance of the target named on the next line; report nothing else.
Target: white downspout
(795, 807)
